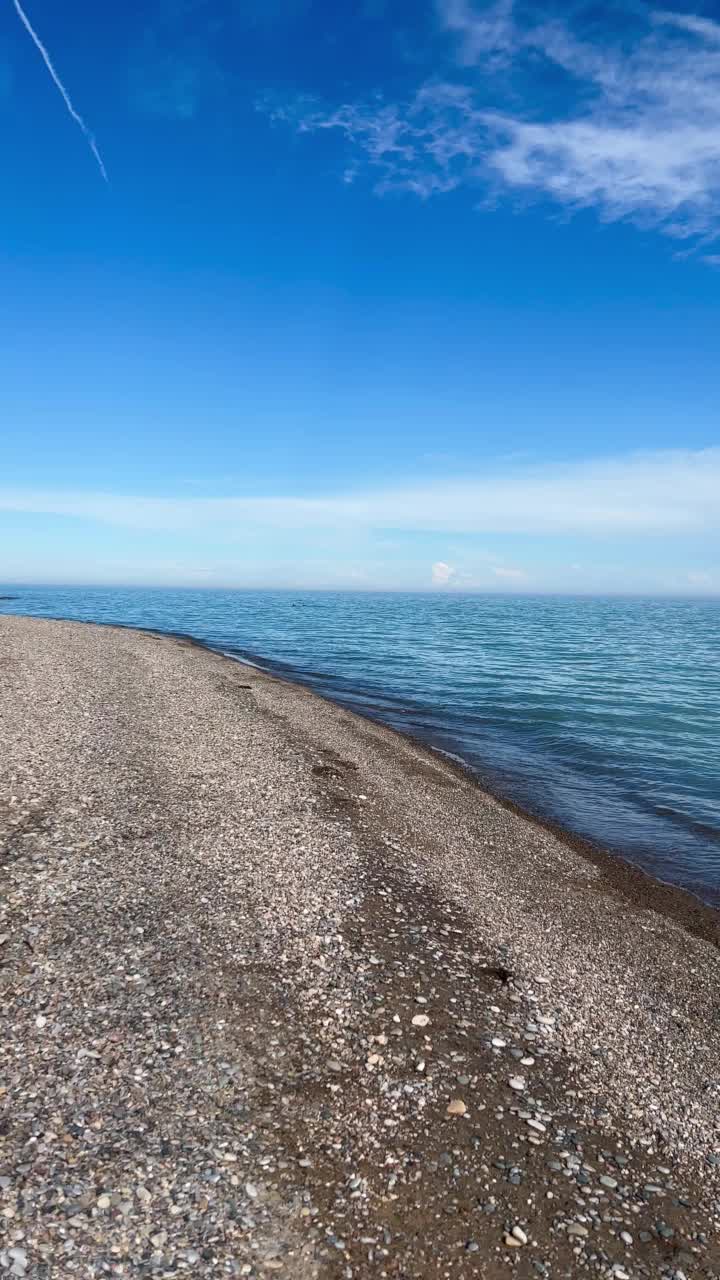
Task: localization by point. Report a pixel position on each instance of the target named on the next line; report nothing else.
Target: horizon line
(360, 590)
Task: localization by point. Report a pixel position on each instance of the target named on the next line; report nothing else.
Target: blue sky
(381, 294)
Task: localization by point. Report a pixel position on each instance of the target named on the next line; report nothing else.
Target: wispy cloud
(703, 27)
(484, 32)
(636, 135)
(671, 492)
(60, 86)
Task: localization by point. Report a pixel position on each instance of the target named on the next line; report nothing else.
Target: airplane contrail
(60, 86)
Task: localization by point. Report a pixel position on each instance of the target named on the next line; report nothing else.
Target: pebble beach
(284, 991)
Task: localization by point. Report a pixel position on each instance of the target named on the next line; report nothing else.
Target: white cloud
(480, 32)
(442, 573)
(672, 492)
(703, 27)
(637, 136)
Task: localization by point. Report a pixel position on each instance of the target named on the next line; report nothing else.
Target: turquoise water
(601, 714)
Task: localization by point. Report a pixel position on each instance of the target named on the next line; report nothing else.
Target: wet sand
(286, 991)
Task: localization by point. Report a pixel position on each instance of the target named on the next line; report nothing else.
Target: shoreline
(623, 876)
(288, 991)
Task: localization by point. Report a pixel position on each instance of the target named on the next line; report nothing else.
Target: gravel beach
(283, 991)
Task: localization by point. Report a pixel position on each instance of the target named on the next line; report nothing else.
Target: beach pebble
(517, 1083)
(421, 1020)
(456, 1107)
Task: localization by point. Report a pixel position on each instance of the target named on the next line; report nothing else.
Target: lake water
(601, 714)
